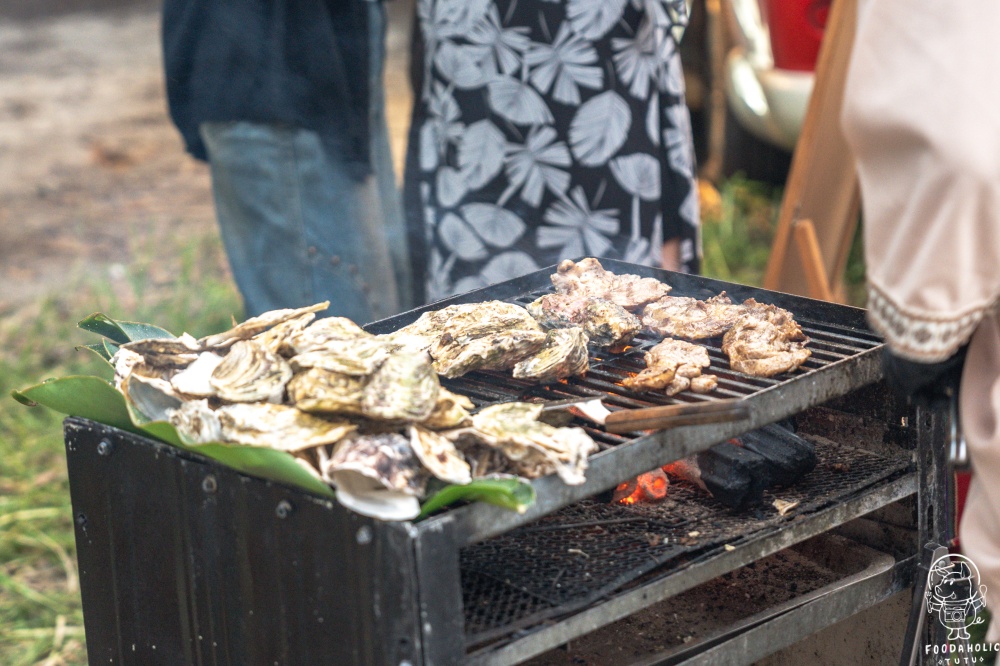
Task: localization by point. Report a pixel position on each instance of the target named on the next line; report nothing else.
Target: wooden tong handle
(672, 416)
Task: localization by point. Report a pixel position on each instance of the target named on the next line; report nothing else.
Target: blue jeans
(298, 227)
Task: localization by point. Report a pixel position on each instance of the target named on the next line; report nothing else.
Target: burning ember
(649, 487)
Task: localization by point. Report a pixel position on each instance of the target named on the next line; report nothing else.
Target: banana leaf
(96, 399)
(122, 331)
(105, 349)
(515, 494)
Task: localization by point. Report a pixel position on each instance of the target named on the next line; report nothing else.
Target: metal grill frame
(242, 569)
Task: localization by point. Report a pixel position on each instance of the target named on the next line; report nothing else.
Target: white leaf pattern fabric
(599, 128)
(544, 130)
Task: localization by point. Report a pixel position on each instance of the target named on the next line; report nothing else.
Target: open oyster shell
(404, 388)
(534, 448)
(278, 427)
(564, 354)
(450, 411)
(257, 325)
(153, 397)
(377, 475)
(279, 339)
(250, 373)
(166, 352)
(195, 379)
(439, 455)
(324, 392)
(196, 422)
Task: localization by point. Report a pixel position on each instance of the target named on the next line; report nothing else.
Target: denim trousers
(299, 226)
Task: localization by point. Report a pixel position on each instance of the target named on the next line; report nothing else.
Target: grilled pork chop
(588, 278)
(765, 341)
(676, 366)
(684, 317)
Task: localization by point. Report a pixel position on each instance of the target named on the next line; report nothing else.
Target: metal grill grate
(829, 343)
(575, 556)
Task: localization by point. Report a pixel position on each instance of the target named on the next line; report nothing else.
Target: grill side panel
(185, 561)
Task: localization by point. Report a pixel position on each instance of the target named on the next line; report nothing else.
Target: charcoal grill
(240, 570)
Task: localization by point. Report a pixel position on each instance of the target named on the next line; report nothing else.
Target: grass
(182, 286)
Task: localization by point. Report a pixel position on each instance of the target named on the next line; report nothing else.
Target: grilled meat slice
(670, 365)
(765, 341)
(564, 355)
(684, 317)
(588, 278)
(605, 323)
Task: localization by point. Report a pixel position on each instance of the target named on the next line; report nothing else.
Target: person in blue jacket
(285, 102)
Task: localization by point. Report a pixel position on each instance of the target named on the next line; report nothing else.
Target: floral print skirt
(546, 130)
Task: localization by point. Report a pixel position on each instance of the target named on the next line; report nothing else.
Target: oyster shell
(450, 411)
(360, 356)
(166, 352)
(378, 476)
(124, 362)
(439, 455)
(607, 324)
(535, 448)
(325, 332)
(196, 422)
(564, 354)
(152, 397)
(250, 373)
(461, 322)
(195, 379)
(404, 388)
(256, 325)
(454, 357)
(278, 427)
(324, 392)
(279, 339)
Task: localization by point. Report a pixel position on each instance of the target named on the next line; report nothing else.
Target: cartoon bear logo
(955, 594)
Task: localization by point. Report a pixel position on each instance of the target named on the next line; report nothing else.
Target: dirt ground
(90, 165)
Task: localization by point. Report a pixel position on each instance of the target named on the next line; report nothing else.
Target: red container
(796, 28)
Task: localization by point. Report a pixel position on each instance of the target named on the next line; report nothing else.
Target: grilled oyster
(605, 323)
(404, 388)
(326, 332)
(671, 364)
(250, 373)
(278, 427)
(322, 391)
(765, 341)
(257, 325)
(495, 351)
(589, 278)
(361, 356)
(378, 476)
(463, 322)
(439, 455)
(450, 411)
(564, 354)
(534, 448)
(166, 352)
(196, 422)
(683, 317)
(195, 379)
(279, 339)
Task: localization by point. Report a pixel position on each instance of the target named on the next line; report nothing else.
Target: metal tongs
(652, 418)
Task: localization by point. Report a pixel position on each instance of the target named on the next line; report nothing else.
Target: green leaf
(122, 331)
(514, 494)
(80, 395)
(95, 399)
(99, 349)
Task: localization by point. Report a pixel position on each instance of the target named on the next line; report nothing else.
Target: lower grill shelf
(583, 553)
(705, 617)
